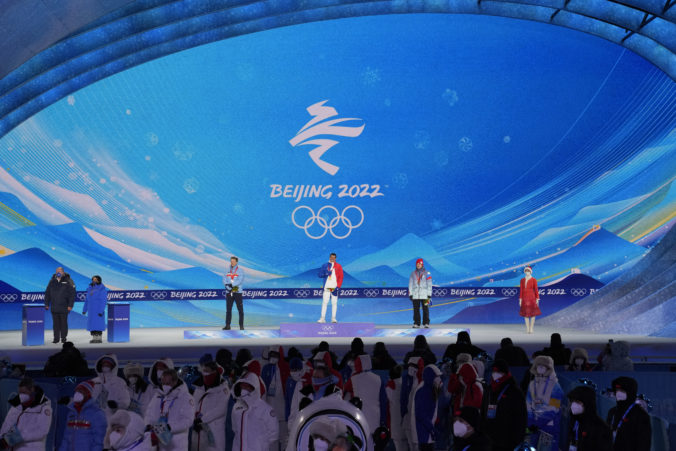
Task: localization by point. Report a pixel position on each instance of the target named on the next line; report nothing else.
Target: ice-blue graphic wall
(480, 144)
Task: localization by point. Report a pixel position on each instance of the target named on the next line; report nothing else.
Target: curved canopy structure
(60, 49)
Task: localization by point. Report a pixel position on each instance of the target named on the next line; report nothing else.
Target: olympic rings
(328, 225)
(579, 292)
(301, 293)
(509, 292)
(371, 292)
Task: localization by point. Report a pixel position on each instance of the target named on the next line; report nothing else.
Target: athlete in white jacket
(126, 432)
(211, 407)
(114, 392)
(253, 420)
(170, 414)
(27, 423)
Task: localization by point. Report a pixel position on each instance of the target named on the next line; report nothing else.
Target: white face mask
(320, 445)
(114, 438)
(412, 371)
(244, 393)
(105, 369)
(166, 388)
(159, 374)
(78, 396)
(579, 362)
(133, 380)
(541, 369)
(621, 395)
(296, 375)
(459, 429)
(274, 360)
(351, 365)
(24, 397)
(576, 408)
(496, 376)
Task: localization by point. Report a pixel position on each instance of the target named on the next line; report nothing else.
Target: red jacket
(468, 391)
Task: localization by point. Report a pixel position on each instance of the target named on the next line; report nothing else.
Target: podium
(33, 325)
(118, 322)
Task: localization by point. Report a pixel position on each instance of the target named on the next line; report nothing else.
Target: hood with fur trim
(152, 375)
(107, 357)
(579, 353)
(133, 424)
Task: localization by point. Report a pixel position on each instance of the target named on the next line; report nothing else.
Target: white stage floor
(148, 344)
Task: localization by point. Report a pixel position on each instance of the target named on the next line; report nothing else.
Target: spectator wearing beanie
(211, 407)
(586, 429)
(629, 423)
(86, 422)
(28, 420)
(140, 393)
(467, 431)
(506, 415)
(544, 397)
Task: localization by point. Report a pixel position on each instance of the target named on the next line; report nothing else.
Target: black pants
(237, 298)
(60, 326)
(416, 312)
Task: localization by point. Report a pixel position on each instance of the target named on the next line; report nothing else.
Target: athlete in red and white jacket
(332, 273)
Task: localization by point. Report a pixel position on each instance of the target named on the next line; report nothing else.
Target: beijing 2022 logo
(317, 126)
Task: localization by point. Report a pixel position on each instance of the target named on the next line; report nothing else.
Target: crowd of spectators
(467, 401)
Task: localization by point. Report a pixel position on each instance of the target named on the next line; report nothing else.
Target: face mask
(579, 362)
(133, 380)
(106, 369)
(459, 429)
(296, 375)
(78, 396)
(24, 397)
(274, 360)
(541, 369)
(166, 388)
(244, 393)
(412, 371)
(159, 374)
(58, 274)
(621, 395)
(320, 445)
(351, 365)
(496, 376)
(576, 408)
(114, 438)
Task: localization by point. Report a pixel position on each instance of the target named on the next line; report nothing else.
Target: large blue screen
(480, 144)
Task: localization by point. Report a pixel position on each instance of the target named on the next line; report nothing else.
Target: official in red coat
(529, 299)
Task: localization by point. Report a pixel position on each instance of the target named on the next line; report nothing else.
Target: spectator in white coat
(28, 421)
(140, 392)
(211, 407)
(367, 386)
(126, 432)
(275, 373)
(156, 371)
(253, 420)
(393, 392)
(170, 414)
(114, 392)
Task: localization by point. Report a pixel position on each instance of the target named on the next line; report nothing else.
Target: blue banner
(301, 293)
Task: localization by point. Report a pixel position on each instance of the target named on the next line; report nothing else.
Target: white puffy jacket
(253, 420)
(32, 422)
(113, 387)
(211, 405)
(179, 409)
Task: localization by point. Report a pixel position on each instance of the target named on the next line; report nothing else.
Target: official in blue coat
(95, 308)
